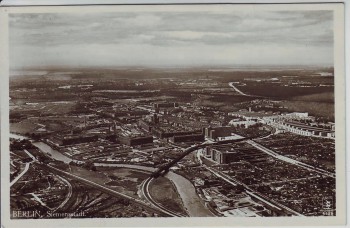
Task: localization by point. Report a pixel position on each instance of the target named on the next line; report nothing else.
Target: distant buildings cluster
(292, 122)
(303, 129)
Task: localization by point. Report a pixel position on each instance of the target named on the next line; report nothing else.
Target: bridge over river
(165, 168)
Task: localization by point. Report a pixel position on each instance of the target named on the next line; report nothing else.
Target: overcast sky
(172, 38)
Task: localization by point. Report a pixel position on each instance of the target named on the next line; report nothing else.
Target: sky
(171, 38)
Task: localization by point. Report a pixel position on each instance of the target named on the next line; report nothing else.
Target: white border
(107, 2)
(276, 221)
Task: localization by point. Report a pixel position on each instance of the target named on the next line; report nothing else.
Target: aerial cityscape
(214, 141)
(143, 115)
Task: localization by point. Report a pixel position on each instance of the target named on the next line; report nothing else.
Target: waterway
(20, 137)
(54, 153)
(194, 205)
(46, 149)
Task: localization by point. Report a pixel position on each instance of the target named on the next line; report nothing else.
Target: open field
(164, 192)
(125, 179)
(323, 109)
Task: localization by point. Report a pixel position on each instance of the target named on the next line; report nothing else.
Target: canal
(45, 148)
(193, 204)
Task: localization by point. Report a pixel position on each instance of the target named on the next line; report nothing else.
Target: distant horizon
(196, 37)
(243, 66)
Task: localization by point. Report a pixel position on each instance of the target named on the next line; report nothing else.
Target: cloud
(171, 37)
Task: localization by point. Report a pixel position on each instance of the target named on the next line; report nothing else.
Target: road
(237, 90)
(151, 204)
(21, 174)
(93, 184)
(30, 155)
(105, 189)
(289, 160)
(26, 168)
(36, 198)
(286, 181)
(231, 84)
(219, 175)
(69, 195)
(249, 190)
(164, 169)
(261, 196)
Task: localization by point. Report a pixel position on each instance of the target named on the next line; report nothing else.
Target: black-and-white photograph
(172, 111)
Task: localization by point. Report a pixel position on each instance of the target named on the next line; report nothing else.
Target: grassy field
(164, 192)
(327, 97)
(32, 125)
(313, 108)
(23, 127)
(277, 91)
(125, 180)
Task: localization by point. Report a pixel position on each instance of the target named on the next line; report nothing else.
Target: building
(155, 119)
(147, 126)
(166, 105)
(216, 132)
(167, 132)
(222, 154)
(303, 129)
(73, 139)
(149, 122)
(245, 123)
(116, 150)
(135, 140)
(298, 115)
(187, 138)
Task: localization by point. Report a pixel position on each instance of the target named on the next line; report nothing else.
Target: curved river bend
(194, 205)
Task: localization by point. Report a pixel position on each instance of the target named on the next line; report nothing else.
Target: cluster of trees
(34, 136)
(21, 144)
(89, 165)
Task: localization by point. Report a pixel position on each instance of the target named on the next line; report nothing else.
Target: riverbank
(45, 148)
(191, 201)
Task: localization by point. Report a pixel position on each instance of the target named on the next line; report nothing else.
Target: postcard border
(339, 66)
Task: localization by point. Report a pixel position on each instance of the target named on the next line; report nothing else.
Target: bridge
(161, 171)
(165, 168)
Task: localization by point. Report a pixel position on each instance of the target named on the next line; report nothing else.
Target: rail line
(146, 193)
(106, 190)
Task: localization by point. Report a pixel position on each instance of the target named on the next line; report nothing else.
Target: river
(20, 137)
(54, 153)
(194, 205)
(45, 148)
(186, 190)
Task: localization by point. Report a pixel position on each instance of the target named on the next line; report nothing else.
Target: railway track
(146, 193)
(108, 190)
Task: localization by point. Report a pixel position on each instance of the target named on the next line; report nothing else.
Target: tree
(239, 189)
(90, 165)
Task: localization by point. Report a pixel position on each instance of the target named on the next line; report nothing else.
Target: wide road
(21, 174)
(26, 168)
(248, 190)
(289, 160)
(231, 84)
